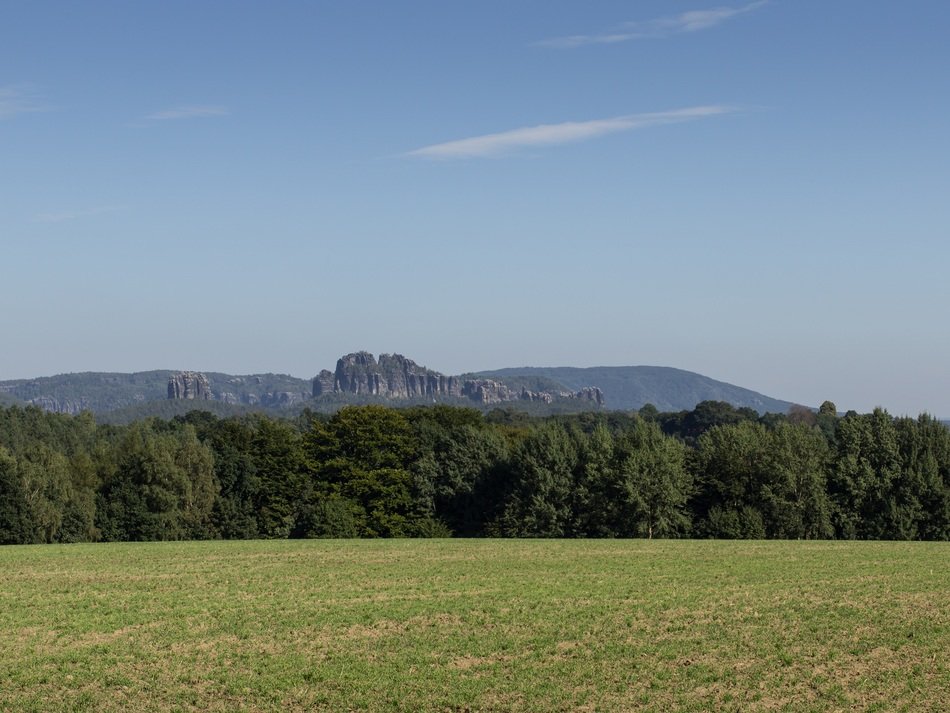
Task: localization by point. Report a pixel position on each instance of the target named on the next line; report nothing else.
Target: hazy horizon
(752, 191)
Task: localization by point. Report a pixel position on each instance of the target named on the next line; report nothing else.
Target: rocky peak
(61, 405)
(487, 391)
(543, 396)
(189, 385)
(589, 393)
(323, 383)
(394, 376)
(356, 373)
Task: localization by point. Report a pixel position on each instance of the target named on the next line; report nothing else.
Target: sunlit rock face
(189, 385)
(393, 376)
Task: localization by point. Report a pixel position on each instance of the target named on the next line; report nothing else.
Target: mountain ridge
(359, 378)
(666, 387)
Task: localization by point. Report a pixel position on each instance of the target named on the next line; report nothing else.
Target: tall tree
(657, 483)
(364, 455)
(599, 495)
(458, 468)
(921, 493)
(16, 519)
(867, 463)
(794, 497)
(732, 463)
(159, 486)
(280, 470)
(540, 500)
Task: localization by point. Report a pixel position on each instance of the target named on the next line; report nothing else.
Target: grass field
(475, 625)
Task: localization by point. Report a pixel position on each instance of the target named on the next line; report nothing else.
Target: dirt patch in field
(464, 663)
(390, 627)
(377, 630)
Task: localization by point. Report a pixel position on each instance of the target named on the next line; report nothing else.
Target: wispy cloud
(19, 99)
(552, 134)
(64, 216)
(691, 21)
(188, 112)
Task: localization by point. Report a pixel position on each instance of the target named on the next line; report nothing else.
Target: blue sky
(756, 191)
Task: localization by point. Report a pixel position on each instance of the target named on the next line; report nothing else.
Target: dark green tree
(79, 511)
(732, 464)
(542, 473)
(159, 486)
(280, 471)
(867, 463)
(657, 484)
(794, 498)
(921, 496)
(458, 471)
(599, 494)
(16, 519)
(234, 513)
(364, 455)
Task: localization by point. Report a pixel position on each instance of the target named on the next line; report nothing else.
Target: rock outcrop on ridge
(540, 389)
(189, 385)
(60, 405)
(394, 376)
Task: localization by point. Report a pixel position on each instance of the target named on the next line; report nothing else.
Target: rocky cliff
(244, 390)
(539, 389)
(189, 385)
(394, 376)
(487, 391)
(324, 383)
(60, 405)
(587, 393)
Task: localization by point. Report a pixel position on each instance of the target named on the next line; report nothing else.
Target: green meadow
(475, 625)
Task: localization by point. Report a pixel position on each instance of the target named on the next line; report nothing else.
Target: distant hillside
(360, 378)
(102, 392)
(93, 391)
(630, 387)
(521, 380)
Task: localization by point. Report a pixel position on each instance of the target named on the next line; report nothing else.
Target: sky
(755, 191)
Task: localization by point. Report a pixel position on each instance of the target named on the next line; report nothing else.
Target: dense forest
(438, 471)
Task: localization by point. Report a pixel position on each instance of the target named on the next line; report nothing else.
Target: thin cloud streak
(691, 21)
(188, 112)
(554, 134)
(17, 99)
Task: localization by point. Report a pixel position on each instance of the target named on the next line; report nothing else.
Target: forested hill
(124, 397)
(104, 392)
(435, 470)
(630, 387)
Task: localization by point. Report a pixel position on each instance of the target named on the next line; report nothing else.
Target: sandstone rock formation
(323, 383)
(487, 391)
(61, 405)
(589, 393)
(406, 379)
(282, 398)
(394, 376)
(190, 385)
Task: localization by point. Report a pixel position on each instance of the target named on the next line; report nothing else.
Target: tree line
(440, 471)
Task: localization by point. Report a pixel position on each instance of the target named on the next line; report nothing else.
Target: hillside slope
(146, 393)
(102, 392)
(630, 387)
